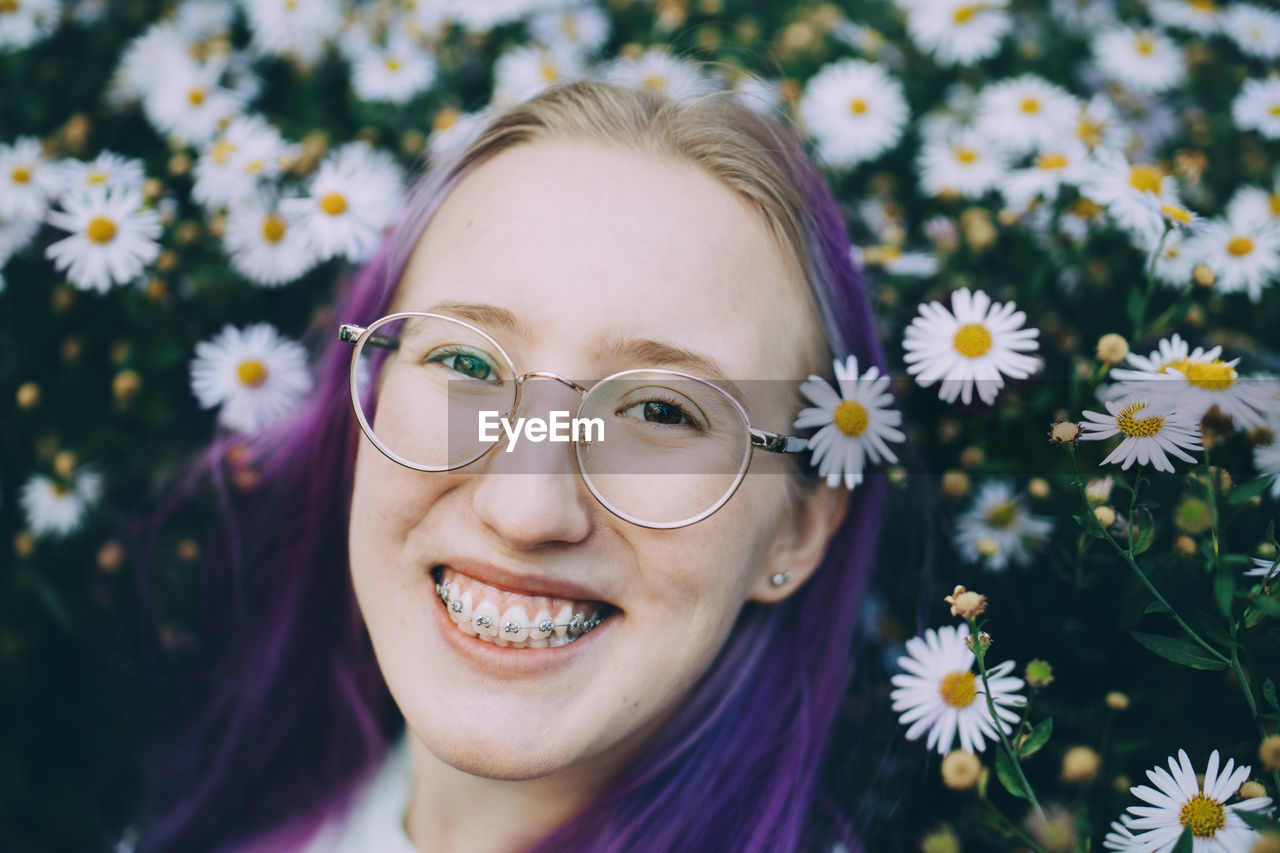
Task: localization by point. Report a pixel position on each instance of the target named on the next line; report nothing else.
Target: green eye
(468, 364)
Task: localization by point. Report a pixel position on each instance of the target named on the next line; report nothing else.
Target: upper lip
(522, 583)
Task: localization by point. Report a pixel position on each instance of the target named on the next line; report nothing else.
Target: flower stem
(1128, 558)
(980, 655)
(1138, 324)
(1010, 827)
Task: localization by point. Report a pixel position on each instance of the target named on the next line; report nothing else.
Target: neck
(451, 811)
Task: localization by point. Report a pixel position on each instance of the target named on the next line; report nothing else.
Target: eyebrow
(643, 352)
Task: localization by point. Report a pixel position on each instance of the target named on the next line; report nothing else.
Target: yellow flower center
(850, 418)
(1211, 375)
(222, 152)
(96, 178)
(1030, 106)
(1002, 515)
(273, 228)
(290, 5)
(21, 175)
(445, 119)
(972, 341)
(1275, 110)
(549, 71)
(196, 97)
(1239, 246)
(1177, 214)
(8, 7)
(857, 106)
(569, 27)
(334, 204)
(1086, 208)
(392, 64)
(254, 168)
(1144, 44)
(963, 14)
(1144, 178)
(966, 155)
(1051, 161)
(251, 373)
(1203, 815)
(958, 688)
(59, 489)
(1274, 203)
(101, 230)
(654, 82)
(1138, 427)
(1090, 131)
(1205, 6)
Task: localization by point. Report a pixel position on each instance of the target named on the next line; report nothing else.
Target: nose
(531, 494)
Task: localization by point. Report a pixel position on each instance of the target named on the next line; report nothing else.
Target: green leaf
(1008, 774)
(1246, 492)
(1179, 651)
(1039, 737)
(1269, 693)
(1184, 844)
(1142, 537)
(1257, 820)
(1224, 585)
(1267, 605)
(1156, 607)
(1090, 526)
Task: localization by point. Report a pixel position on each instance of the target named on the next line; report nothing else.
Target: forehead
(586, 242)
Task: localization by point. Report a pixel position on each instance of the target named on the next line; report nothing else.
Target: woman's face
(579, 259)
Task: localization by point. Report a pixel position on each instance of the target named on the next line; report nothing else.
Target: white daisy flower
(108, 170)
(1132, 193)
(256, 375)
(264, 246)
(1098, 125)
(966, 165)
(1244, 254)
(1201, 17)
(854, 110)
(583, 29)
(940, 694)
(958, 32)
(299, 29)
(1168, 352)
(976, 343)
(1255, 204)
(1150, 430)
(760, 94)
(893, 260)
(526, 70)
(160, 46)
(24, 23)
(854, 423)
(658, 71)
(1053, 167)
(28, 180)
(1083, 17)
(54, 508)
(394, 73)
(1120, 837)
(1193, 386)
(1266, 458)
(1178, 800)
(112, 237)
(1143, 61)
(482, 17)
(1026, 113)
(1257, 107)
(1174, 265)
(998, 529)
(1261, 569)
(234, 164)
(956, 114)
(189, 104)
(354, 195)
(15, 235)
(202, 19)
(1255, 29)
(453, 130)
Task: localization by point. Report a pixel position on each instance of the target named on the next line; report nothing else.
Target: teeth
(516, 618)
(562, 618)
(485, 619)
(543, 616)
(555, 622)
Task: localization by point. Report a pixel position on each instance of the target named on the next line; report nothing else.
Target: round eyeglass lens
(671, 448)
(420, 384)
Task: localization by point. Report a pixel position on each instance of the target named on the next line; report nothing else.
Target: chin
(495, 760)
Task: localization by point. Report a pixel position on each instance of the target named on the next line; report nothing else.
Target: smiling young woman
(638, 643)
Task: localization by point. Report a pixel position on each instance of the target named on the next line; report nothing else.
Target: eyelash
(692, 421)
(439, 356)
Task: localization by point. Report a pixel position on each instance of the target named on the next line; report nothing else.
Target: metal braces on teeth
(576, 626)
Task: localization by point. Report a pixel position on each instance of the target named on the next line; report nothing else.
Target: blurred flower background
(1068, 212)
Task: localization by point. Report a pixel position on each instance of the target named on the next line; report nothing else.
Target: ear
(800, 542)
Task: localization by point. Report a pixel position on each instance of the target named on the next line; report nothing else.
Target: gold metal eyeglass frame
(362, 336)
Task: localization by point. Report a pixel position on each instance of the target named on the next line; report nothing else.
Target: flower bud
(966, 604)
(1185, 546)
(1039, 674)
(1269, 752)
(1117, 701)
(984, 642)
(940, 840)
(1251, 789)
(1080, 764)
(1099, 491)
(1038, 488)
(1106, 515)
(955, 483)
(960, 770)
(1112, 348)
(1065, 432)
(28, 396)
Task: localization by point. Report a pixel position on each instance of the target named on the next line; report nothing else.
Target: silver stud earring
(781, 578)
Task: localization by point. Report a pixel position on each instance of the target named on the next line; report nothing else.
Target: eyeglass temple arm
(775, 443)
(348, 333)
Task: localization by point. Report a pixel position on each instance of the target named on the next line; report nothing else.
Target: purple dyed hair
(290, 712)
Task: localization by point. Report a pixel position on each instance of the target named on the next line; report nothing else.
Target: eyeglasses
(658, 448)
